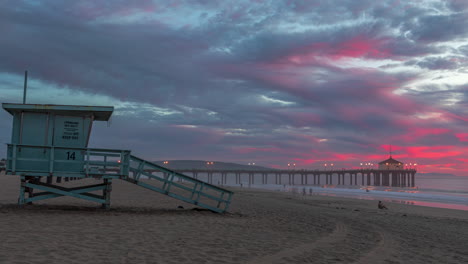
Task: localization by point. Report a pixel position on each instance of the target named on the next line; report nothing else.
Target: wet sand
(260, 227)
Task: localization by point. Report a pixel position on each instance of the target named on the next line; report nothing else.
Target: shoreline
(406, 196)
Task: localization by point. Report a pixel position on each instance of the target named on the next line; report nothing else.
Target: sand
(261, 227)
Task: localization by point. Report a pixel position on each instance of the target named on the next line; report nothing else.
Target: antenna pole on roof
(390, 151)
(25, 86)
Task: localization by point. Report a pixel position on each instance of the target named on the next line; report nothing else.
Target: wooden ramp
(178, 186)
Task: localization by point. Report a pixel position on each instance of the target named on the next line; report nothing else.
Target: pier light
(166, 162)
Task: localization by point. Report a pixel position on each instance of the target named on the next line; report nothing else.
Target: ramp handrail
(179, 186)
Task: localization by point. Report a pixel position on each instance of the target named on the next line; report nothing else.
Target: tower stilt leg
(21, 199)
(107, 193)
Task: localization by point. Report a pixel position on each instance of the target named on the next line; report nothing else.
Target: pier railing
(365, 176)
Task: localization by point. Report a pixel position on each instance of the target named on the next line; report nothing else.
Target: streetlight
(166, 162)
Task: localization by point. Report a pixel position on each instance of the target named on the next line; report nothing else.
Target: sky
(268, 82)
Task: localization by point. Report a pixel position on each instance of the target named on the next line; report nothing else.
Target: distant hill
(200, 165)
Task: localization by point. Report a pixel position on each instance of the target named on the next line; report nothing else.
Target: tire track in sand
(382, 251)
(338, 234)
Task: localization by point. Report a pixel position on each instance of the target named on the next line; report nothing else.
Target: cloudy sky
(266, 81)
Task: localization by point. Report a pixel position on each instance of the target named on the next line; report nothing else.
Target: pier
(363, 177)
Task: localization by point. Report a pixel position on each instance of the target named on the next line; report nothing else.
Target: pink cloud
(249, 150)
(418, 133)
(463, 137)
(432, 152)
(357, 47)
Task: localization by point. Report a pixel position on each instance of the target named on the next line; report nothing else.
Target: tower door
(35, 129)
(34, 133)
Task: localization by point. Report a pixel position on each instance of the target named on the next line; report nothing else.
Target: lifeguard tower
(50, 143)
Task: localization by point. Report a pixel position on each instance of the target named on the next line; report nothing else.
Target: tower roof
(101, 113)
(390, 161)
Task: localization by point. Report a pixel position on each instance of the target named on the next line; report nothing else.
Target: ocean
(442, 192)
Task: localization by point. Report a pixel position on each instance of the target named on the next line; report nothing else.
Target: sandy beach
(261, 227)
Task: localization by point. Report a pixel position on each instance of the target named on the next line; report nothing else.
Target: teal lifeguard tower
(50, 143)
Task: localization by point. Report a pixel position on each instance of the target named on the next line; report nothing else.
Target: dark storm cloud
(437, 63)
(440, 27)
(117, 60)
(464, 50)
